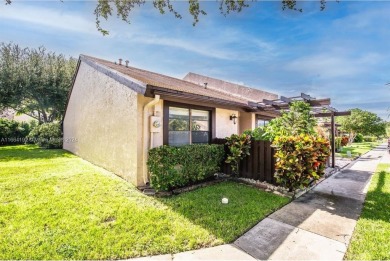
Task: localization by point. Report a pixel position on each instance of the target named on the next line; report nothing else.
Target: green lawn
(370, 240)
(54, 205)
(357, 149)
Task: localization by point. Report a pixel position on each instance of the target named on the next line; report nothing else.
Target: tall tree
(123, 8)
(34, 81)
(363, 122)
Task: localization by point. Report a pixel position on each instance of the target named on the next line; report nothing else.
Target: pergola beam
(330, 108)
(269, 102)
(307, 97)
(319, 108)
(318, 103)
(329, 114)
(285, 99)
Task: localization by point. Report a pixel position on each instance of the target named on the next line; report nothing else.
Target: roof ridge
(139, 69)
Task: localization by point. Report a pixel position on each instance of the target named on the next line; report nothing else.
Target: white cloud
(191, 46)
(332, 65)
(366, 19)
(220, 46)
(48, 18)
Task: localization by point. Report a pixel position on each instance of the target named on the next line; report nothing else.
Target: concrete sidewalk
(316, 226)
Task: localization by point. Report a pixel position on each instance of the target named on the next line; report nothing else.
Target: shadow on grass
(29, 152)
(377, 203)
(246, 207)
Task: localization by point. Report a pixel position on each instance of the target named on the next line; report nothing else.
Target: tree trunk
(352, 136)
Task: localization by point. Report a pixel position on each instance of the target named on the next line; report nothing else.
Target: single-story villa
(116, 113)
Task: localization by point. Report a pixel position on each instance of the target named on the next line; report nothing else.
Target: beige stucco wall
(104, 124)
(102, 118)
(246, 121)
(224, 126)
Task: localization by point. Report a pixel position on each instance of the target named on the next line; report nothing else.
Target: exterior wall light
(233, 118)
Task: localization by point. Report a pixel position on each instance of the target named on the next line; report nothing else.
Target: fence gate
(259, 165)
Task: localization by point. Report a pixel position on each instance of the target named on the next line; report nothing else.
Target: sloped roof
(164, 82)
(237, 90)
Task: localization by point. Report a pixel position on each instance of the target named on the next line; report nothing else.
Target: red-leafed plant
(300, 160)
(344, 141)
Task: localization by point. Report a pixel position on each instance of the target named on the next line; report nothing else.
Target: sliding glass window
(188, 126)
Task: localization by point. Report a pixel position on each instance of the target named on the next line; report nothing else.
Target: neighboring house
(236, 90)
(11, 114)
(7, 114)
(116, 113)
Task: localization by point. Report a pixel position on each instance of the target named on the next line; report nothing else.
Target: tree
(298, 120)
(34, 81)
(388, 129)
(364, 122)
(106, 8)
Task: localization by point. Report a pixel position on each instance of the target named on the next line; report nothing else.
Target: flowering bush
(300, 160)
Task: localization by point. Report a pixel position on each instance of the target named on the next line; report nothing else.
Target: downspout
(145, 146)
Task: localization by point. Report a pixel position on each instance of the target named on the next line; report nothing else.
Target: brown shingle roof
(166, 82)
(244, 92)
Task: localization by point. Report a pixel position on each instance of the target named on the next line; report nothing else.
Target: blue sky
(342, 52)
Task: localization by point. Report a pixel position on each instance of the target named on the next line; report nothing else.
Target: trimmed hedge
(173, 167)
(300, 160)
(13, 132)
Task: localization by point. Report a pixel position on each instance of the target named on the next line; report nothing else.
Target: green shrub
(298, 120)
(300, 160)
(257, 134)
(13, 132)
(338, 143)
(370, 139)
(358, 138)
(238, 146)
(173, 167)
(47, 135)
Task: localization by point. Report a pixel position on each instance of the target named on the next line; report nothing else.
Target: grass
(357, 149)
(54, 205)
(370, 240)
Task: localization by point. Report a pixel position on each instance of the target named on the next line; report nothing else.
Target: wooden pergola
(319, 108)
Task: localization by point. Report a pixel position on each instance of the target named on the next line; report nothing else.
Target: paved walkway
(316, 226)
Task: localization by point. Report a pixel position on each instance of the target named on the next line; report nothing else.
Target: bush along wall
(173, 167)
(300, 160)
(46, 135)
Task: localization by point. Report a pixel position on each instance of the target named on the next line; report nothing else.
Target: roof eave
(163, 92)
(134, 84)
